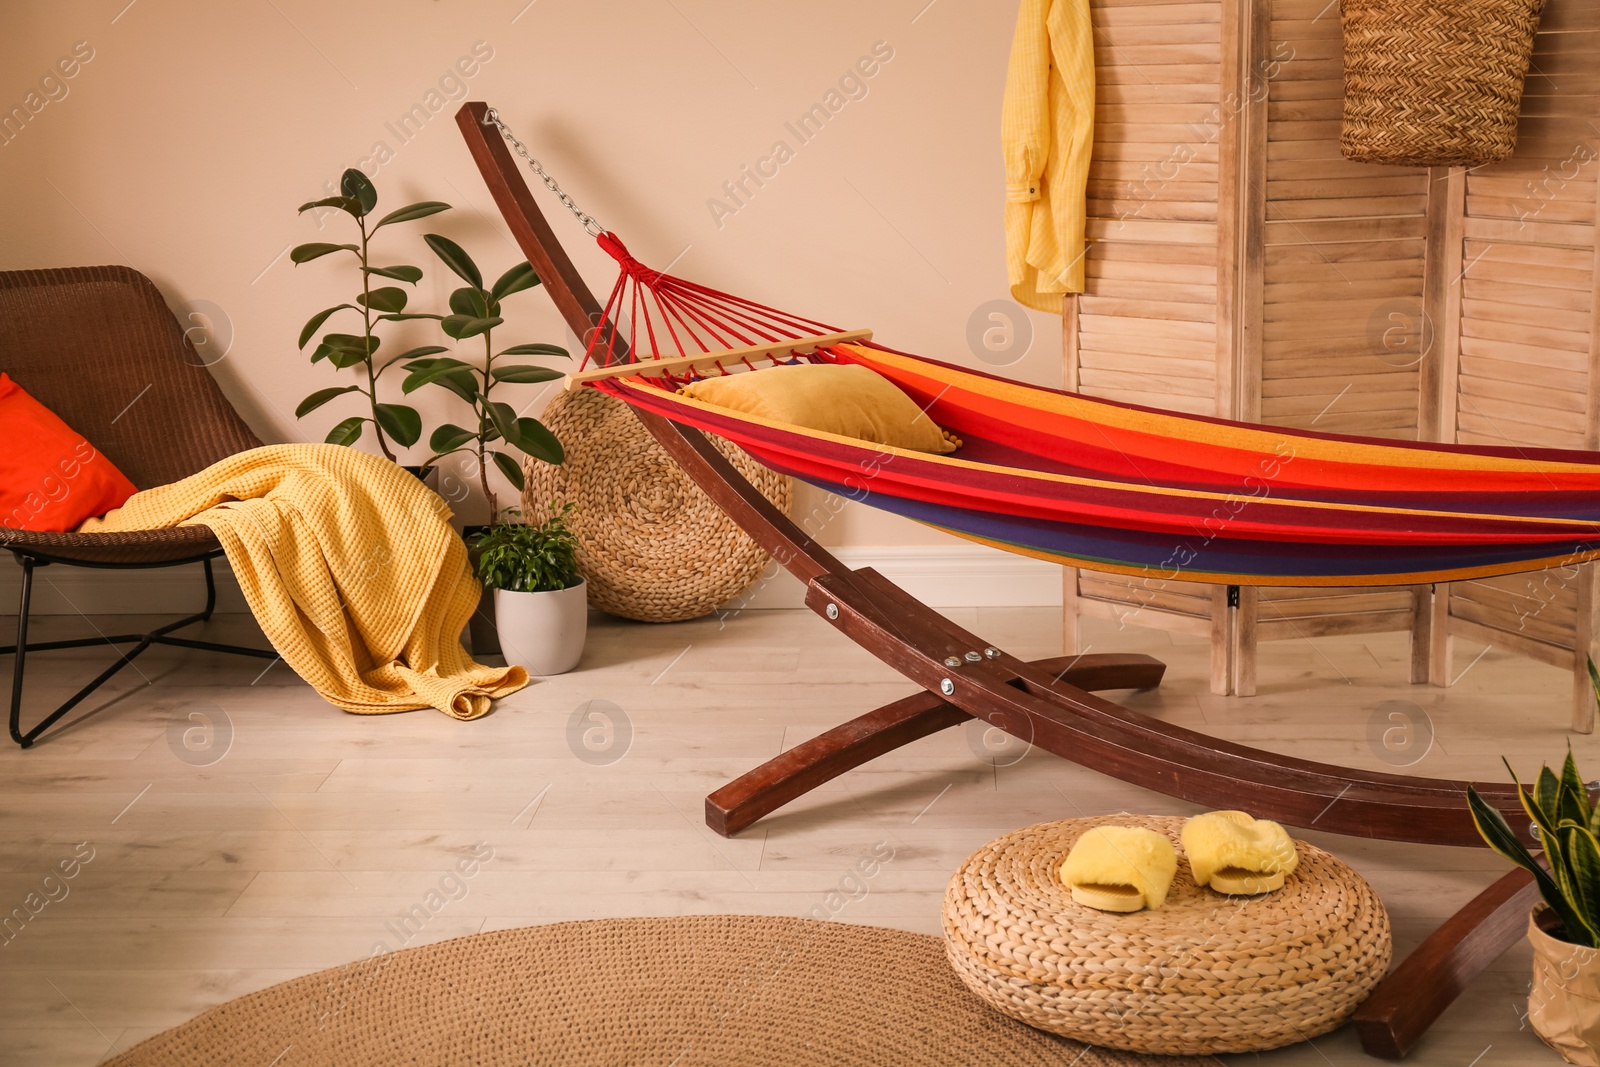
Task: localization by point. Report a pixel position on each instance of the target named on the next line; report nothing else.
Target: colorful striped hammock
(1109, 486)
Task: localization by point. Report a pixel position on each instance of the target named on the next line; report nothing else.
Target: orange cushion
(51, 479)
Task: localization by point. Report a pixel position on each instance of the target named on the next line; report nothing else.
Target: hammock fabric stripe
(1129, 489)
(1173, 536)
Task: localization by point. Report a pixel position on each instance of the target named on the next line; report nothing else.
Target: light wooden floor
(303, 845)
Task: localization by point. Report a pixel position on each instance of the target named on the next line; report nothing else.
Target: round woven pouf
(1204, 974)
(651, 544)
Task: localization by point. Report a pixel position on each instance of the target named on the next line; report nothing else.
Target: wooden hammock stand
(1049, 703)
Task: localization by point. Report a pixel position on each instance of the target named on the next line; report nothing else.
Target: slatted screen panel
(1342, 290)
(1147, 321)
(1525, 306)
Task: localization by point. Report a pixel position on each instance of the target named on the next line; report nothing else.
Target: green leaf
(390, 298)
(352, 342)
(1574, 797)
(1582, 853)
(462, 327)
(420, 210)
(515, 280)
(525, 374)
(469, 301)
(357, 187)
(400, 273)
(448, 438)
(537, 441)
(418, 353)
(428, 371)
(1561, 868)
(399, 422)
(408, 315)
(1546, 825)
(1547, 794)
(1498, 836)
(464, 384)
(314, 323)
(504, 418)
(537, 350)
(343, 203)
(346, 349)
(510, 468)
(321, 352)
(449, 362)
(347, 432)
(455, 258)
(321, 397)
(316, 250)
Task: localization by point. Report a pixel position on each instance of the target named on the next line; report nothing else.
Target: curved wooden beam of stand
(1417, 992)
(1022, 699)
(845, 747)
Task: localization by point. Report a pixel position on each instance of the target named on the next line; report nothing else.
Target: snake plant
(1565, 823)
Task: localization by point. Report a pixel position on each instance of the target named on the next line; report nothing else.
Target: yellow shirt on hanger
(1047, 128)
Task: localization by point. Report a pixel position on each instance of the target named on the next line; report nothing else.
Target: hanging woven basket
(1434, 83)
(651, 544)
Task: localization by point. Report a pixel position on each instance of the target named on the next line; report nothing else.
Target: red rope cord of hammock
(691, 316)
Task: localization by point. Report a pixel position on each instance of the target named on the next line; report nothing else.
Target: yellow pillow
(843, 399)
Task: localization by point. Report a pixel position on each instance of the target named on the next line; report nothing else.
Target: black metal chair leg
(141, 643)
(21, 652)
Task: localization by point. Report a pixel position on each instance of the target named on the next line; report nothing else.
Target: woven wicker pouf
(1206, 973)
(651, 545)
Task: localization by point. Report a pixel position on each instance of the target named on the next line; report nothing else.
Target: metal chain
(590, 225)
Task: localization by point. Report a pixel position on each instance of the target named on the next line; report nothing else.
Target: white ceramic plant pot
(543, 632)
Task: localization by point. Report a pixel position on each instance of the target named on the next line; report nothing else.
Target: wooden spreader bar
(1050, 703)
(727, 359)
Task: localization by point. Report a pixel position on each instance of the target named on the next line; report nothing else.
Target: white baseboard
(941, 576)
(63, 590)
(955, 576)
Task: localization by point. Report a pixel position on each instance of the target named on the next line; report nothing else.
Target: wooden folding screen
(1515, 358)
(1240, 267)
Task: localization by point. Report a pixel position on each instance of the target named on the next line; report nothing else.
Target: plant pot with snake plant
(1564, 996)
(540, 602)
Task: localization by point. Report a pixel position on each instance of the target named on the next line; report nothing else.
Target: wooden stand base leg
(843, 748)
(1406, 1003)
(1421, 632)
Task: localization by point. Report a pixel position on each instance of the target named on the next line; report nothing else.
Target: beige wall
(183, 146)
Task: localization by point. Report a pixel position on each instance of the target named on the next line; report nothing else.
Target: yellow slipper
(1120, 868)
(1236, 854)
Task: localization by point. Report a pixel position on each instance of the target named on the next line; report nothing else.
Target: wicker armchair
(98, 346)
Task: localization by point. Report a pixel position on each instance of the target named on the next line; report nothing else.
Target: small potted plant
(540, 602)
(397, 423)
(1564, 998)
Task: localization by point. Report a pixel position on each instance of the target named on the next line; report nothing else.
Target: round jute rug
(728, 990)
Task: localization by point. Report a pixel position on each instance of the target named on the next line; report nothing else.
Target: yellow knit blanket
(352, 570)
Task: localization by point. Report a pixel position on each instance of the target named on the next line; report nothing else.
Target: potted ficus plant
(475, 311)
(1564, 998)
(495, 426)
(376, 304)
(540, 603)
